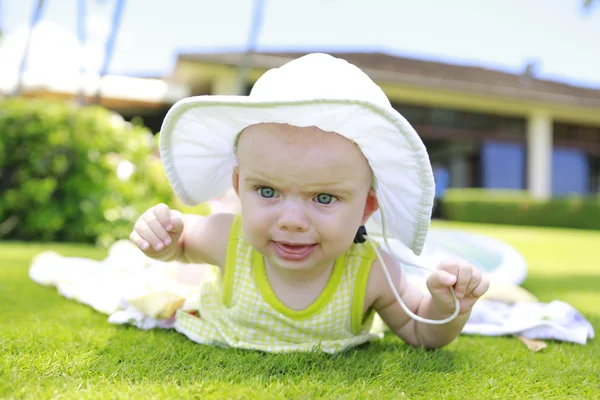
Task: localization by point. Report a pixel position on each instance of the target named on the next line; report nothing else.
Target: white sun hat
(198, 136)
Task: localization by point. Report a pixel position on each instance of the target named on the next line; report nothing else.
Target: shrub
(78, 174)
(519, 208)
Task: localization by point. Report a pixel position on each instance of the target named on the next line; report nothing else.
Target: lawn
(55, 348)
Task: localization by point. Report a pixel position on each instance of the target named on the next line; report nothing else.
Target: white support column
(539, 154)
(459, 170)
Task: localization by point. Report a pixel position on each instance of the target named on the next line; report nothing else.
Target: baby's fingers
(162, 214)
(153, 231)
(138, 241)
(482, 286)
(143, 229)
(465, 276)
(439, 284)
(440, 280)
(463, 272)
(176, 224)
(474, 282)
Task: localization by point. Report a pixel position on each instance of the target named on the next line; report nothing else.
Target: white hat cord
(411, 314)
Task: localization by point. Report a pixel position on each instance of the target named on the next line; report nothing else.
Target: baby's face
(304, 193)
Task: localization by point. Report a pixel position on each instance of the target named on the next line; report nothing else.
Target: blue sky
(500, 34)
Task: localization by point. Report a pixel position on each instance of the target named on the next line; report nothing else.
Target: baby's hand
(468, 282)
(157, 230)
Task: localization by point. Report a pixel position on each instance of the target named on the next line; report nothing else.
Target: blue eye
(267, 192)
(324, 198)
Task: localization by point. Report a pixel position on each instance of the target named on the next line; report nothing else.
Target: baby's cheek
(257, 221)
(342, 228)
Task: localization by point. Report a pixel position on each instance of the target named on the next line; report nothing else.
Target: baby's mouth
(293, 247)
(293, 251)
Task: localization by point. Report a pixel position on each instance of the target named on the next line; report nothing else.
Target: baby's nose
(292, 217)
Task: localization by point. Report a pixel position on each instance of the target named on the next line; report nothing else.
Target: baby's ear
(371, 205)
(235, 179)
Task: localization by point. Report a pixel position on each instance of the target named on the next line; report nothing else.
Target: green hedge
(518, 208)
(59, 177)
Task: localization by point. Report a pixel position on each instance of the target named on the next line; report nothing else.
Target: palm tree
(81, 14)
(0, 20)
(246, 63)
(110, 44)
(37, 13)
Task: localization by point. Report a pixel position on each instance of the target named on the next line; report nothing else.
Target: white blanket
(132, 288)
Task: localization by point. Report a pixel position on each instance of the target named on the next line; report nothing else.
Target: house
(482, 128)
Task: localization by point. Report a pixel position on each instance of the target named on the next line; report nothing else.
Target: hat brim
(197, 148)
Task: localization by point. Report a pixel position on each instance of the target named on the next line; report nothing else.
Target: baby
(298, 269)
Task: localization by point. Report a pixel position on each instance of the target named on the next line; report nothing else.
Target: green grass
(55, 348)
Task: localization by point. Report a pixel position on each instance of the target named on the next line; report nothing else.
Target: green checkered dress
(242, 311)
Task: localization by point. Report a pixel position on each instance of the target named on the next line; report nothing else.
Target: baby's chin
(311, 264)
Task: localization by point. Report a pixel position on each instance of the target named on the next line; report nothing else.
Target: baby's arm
(168, 235)
(436, 304)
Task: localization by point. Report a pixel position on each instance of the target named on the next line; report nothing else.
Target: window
(444, 118)
(415, 115)
(586, 138)
(469, 125)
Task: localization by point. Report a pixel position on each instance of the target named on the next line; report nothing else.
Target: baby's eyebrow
(331, 187)
(320, 187)
(257, 179)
